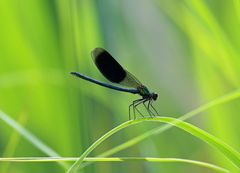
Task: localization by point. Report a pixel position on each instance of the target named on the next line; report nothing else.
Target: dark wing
(112, 70)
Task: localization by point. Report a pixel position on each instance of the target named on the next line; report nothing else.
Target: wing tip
(97, 51)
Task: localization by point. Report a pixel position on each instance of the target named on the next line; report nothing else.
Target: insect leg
(154, 109)
(132, 105)
(137, 104)
(129, 111)
(148, 109)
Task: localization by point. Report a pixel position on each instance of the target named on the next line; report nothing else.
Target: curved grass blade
(218, 101)
(225, 149)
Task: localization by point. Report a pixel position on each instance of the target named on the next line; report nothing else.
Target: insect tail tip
(73, 73)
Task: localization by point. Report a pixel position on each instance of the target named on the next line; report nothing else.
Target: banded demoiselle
(115, 73)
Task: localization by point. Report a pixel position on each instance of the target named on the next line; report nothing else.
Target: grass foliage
(225, 149)
(187, 51)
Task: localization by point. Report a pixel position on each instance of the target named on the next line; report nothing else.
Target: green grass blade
(115, 159)
(29, 136)
(216, 102)
(228, 151)
(12, 144)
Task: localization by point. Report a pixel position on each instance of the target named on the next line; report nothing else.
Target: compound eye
(155, 96)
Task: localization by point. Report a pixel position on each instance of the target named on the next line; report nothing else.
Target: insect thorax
(143, 91)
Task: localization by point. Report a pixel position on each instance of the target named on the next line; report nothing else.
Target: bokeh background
(187, 51)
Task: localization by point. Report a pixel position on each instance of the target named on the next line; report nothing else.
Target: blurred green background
(187, 51)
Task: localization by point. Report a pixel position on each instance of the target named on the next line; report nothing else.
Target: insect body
(115, 73)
